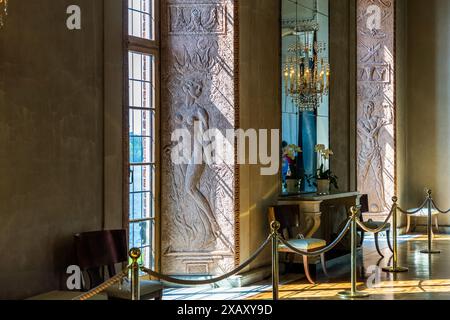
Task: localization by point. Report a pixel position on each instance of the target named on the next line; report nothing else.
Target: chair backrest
(99, 249)
(364, 202)
(289, 218)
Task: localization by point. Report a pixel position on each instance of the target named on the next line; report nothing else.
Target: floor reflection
(428, 277)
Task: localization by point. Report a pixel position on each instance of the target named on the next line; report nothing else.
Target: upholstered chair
(104, 249)
(364, 201)
(289, 218)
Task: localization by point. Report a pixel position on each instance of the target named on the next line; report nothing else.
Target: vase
(292, 186)
(323, 187)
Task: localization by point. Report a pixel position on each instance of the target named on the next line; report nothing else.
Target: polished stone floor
(428, 277)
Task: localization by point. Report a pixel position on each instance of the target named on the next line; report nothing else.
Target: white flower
(320, 148)
(327, 153)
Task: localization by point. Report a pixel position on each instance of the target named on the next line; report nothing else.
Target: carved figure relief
(371, 153)
(374, 73)
(197, 199)
(192, 72)
(376, 102)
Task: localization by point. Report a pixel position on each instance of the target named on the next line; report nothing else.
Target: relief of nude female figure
(197, 166)
(370, 155)
(193, 115)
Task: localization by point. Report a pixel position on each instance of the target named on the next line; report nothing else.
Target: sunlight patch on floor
(331, 290)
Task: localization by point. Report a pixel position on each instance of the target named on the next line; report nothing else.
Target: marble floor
(428, 277)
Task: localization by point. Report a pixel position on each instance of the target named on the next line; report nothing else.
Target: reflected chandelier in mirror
(3, 11)
(306, 73)
(305, 101)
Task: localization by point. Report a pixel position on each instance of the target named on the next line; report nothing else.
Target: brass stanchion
(395, 268)
(275, 226)
(430, 226)
(135, 254)
(353, 293)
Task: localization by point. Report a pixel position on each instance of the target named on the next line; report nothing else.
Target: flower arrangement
(292, 150)
(324, 172)
(291, 179)
(290, 153)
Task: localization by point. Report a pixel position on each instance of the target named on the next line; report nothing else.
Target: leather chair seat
(123, 292)
(375, 224)
(304, 245)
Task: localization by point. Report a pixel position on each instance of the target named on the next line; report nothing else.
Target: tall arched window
(141, 121)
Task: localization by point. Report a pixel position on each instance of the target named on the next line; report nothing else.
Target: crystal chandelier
(3, 11)
(306, 74)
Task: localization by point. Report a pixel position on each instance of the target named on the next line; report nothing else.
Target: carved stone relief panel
(376, 102)
(198, 19)
(198, 93)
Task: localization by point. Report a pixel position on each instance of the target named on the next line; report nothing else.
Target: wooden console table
(323, 217)
(313, 207)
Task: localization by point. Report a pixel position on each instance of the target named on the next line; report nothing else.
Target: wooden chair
(364, 201)
(422, 214)
(289, 218)
(103, 249)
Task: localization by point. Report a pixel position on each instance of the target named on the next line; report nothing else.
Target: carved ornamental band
(197, 19)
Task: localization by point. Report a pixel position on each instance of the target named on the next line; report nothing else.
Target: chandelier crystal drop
(3, 11)
(306, 74)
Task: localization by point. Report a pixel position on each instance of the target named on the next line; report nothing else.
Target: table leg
(315, 221)
(436, 217)
(306, 267)
(408, 224)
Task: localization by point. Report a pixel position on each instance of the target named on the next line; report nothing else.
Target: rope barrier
(378, 230)
(110, 282)
(429, 203)
(411, 212)
(437, 208)
(353, 293)
(208, 281)
(322, 251)
(276, 239)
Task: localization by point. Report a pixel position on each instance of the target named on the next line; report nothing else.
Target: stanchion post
(275, 226)
(395, 268)
(135, 254)
(353, 293)
(430, 225)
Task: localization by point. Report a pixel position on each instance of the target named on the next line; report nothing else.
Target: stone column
(198, 211)
(376, 105)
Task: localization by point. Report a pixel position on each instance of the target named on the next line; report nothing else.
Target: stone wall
(343, 92)
(260, 108)
(51, 133)
(61, 132)
(428, 101)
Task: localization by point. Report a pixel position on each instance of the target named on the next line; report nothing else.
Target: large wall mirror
(305, 78)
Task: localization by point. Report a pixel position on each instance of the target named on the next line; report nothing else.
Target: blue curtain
(307, 136)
